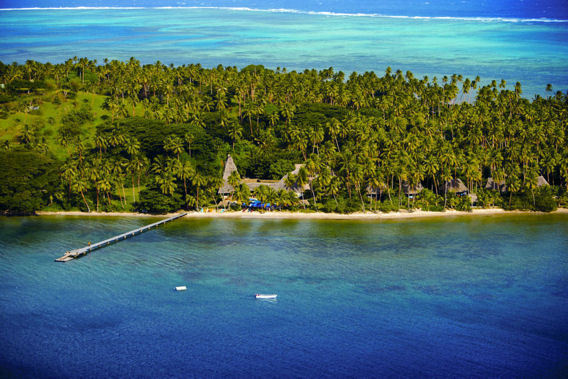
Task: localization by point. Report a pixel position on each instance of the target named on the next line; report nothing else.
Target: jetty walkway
(73, 254)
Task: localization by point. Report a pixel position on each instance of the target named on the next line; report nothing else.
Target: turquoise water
(475, 297)
(532, 52)
(463, 8)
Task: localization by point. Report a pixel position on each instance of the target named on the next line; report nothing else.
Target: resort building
(456, 186)
(295, 188)
(411, 191)
(540, 181)
(277, 185)
(230, 167)
(496, 185)
(502, 187)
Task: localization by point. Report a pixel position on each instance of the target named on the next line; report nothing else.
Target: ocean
(450, 297)
(516, 44)
(444, 8)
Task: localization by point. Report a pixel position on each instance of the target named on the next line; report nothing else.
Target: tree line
(168, 129)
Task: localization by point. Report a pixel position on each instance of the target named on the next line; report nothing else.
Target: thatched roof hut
(457, 186)
(472, 198)
(282, 182)
(253, 184)
(496, 185)
(230, 167)
(540, 181)
(374, 191)
(412, 190)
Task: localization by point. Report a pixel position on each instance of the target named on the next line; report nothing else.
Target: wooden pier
(73, 254)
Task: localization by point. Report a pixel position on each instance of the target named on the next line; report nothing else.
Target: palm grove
(126, 136)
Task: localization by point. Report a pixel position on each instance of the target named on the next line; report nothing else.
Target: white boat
(263, 296)
(181, 288)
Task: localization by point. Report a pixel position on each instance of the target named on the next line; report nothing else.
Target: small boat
(262, 296)
(181, 288)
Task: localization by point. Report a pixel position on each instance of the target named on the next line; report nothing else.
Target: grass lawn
(128, 194)
(47, 119)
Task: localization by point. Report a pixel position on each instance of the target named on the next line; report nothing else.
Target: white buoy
(265, 296)
(181, 288)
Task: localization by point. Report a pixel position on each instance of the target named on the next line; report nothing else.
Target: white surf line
(318, 13)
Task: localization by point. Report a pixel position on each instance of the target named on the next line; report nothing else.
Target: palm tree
(133, 147)
(301, 180)
(104, 185)
(262, 193)
(94, 174)
(242, 193)
(234, 180)
(446, 176)
(69, 174)
(376, 183)
(531, 183)
(513, 185)
(80, 185)
(249, 112)
(564, 170)
(312, 168)
(174, 144)
(117, 171)
(102, 143)
(198, 181)
(166, 182)
(235, 132)
(135, 166)
(188, 138)
(186, 172)
(431, 169)
(159, 166)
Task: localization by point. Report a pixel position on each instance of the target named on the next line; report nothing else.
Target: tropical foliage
(154, 137)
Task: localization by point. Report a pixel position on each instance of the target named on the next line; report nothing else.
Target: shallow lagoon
(474, 296)
(532, 52)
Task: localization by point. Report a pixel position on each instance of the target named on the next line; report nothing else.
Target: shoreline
(311, 216)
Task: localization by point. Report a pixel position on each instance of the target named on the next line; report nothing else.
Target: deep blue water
(462, 297)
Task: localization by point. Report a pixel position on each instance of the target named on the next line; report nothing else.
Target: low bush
(463, 203)
(541, 199)
(489, 198)
(388, 206)
(153, 201)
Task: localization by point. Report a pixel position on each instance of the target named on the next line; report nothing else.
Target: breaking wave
(319, 13)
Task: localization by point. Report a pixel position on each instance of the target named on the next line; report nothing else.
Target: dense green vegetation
(122, 136)
(28, 178)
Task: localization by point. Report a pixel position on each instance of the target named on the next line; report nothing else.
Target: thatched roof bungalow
(296, 188)
(502, 187)
(372, 191)
(253, 184)
(457, 186)
(230, 167)
(473, 198)
(496, 185)
(412, 191)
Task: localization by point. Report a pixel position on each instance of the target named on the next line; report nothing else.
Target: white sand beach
(310, 215)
